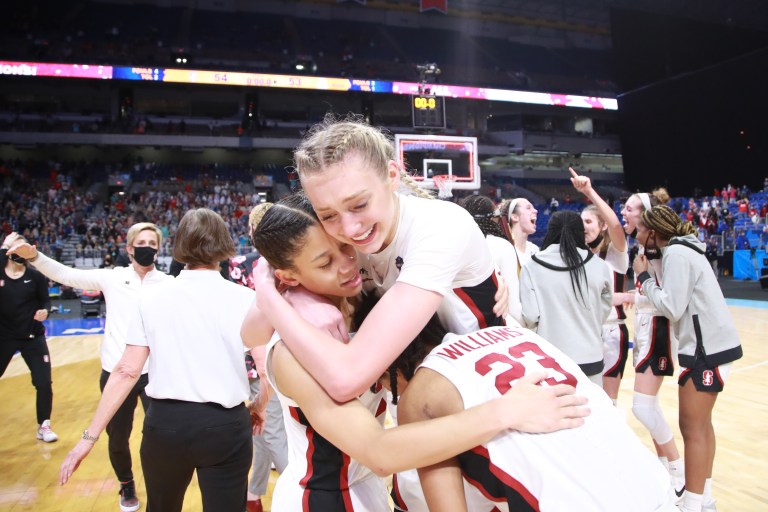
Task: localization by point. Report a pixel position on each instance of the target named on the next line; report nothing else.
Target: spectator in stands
(121, 288)
(742, 242)
(712, 255)
(554, 204)
(24, 305)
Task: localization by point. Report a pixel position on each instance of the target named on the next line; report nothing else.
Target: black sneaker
(129, 502)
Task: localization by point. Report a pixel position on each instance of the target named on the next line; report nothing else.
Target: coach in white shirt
(197, 419)
(121, 287)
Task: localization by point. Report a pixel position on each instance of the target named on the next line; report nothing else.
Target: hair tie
(645, 199)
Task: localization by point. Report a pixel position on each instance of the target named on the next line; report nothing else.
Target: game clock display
(428, 111)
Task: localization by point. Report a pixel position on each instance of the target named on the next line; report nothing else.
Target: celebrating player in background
(605, 237)
(567, 293)
(652, 352)
(505, 258)
(121, 287)
(518, 222)
(708, 342)
(422, 255)
(24, 304)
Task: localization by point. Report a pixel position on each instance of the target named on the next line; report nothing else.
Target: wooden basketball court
(29, 468)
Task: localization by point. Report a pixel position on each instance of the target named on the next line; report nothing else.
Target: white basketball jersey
(600, 466)
(319, 476)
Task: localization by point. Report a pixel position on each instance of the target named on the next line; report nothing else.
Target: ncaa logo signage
(708, 377)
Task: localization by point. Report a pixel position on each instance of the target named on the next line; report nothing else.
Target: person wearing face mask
(24, 304)
(653, 343)
(121, 287)
(691, 298)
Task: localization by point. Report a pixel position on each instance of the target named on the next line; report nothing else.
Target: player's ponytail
(280, 232)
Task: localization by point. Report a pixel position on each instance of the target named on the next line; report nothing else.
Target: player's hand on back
(534, 408)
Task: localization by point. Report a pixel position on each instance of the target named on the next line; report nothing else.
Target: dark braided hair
(567, 229)
(282, 230)
(483, 211)
(407, 362)
(666, 222)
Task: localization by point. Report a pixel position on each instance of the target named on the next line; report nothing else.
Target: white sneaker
(44, 432)
(709, 507)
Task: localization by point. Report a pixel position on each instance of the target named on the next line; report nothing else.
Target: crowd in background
(60, 206)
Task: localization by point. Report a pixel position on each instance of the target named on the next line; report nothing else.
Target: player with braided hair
(605, 237)
(423, 256)
(567, 293)
(708, 341)
(487, 216)
(322, 433)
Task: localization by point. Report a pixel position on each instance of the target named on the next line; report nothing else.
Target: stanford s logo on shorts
(662, 363)
(707, 377)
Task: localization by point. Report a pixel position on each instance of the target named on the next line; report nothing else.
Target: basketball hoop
(444, 184)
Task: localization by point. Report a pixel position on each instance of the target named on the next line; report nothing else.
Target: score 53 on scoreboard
(428, 111)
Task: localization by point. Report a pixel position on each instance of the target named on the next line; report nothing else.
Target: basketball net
(444, 184)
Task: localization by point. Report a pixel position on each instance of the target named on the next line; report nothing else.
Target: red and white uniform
(408, 496)
(600, 466)
(654, 343)
(319, 476)
(615, 333)
(438, 247)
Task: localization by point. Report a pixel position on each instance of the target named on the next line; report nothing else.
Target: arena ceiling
(751, 14)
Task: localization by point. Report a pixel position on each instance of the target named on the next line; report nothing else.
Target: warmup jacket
(552, 309)
(692, 300)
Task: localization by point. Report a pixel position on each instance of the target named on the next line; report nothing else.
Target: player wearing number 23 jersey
(599, 466)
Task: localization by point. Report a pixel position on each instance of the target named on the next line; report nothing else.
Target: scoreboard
(428, 111)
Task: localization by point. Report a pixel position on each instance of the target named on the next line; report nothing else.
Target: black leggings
(35, 354)
(120, 426)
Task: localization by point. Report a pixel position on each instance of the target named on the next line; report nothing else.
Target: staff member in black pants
(121, 287)
(24, 304)
(197, 419)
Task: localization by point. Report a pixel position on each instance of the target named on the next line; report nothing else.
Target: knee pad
(647, 410)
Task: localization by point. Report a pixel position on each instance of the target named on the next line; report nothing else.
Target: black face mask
(17, 259)
(144, 256)
(594, 244)
(653, 253)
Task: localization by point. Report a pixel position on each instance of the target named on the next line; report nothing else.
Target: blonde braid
(413, 187)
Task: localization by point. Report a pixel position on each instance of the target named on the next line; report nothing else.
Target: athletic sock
(692, 502)
(708, 492)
